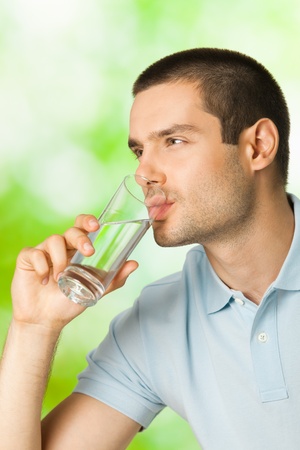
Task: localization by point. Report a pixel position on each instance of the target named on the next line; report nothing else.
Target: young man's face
(179, 146)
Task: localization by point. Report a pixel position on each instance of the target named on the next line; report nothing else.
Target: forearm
(24, 371)
(40, 312)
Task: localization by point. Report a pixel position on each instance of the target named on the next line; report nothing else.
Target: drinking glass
(128, 215)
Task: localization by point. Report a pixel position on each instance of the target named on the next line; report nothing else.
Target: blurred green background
(66, 71)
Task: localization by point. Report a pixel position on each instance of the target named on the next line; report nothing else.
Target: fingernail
(93, 222)
(45, 280)
(88, 247)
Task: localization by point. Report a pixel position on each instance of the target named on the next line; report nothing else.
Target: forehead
(164, 105)
(165, 97)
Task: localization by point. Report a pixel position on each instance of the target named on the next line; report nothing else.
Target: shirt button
(239, 301)
(262, 337)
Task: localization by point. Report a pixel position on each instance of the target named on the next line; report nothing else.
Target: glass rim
(149, 183)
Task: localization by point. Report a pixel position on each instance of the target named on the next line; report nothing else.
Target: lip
(159, 212)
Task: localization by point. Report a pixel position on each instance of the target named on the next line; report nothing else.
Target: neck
(252, 260)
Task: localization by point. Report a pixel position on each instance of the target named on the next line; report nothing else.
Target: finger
(35, 260)
(55, 248)
(87, 222)
(76, 238)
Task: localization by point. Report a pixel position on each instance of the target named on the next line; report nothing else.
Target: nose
(150, 169)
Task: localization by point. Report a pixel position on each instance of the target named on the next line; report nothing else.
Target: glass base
(80, 285)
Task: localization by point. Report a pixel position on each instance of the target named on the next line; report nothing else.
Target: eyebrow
(154, 135)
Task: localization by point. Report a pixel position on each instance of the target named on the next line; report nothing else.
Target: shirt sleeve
(118, 373)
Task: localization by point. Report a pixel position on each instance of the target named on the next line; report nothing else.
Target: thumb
(120, 279)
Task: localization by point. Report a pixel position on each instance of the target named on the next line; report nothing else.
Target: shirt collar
(289, 275)
(205, 281)
(219, 295)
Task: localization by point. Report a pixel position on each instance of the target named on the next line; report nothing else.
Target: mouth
(159, 212)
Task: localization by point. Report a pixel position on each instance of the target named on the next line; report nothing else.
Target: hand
(36, 296)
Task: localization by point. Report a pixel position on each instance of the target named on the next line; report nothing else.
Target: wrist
(27, 330)
(28, 352)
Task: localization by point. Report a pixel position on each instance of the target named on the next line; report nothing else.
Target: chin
(162, 239)
(168, 240)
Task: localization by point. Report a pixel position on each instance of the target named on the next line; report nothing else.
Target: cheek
(196, 172)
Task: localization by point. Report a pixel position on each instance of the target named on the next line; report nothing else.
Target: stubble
(220, 209)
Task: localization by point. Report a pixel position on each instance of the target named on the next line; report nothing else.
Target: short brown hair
(236, 88)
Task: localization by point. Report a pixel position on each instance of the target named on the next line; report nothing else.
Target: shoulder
(165, 298)
(194, 256)
(167, 292)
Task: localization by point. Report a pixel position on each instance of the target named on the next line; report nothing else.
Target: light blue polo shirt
(228, 367)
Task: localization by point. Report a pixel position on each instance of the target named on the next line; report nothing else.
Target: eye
(137, 152)
(175, 141)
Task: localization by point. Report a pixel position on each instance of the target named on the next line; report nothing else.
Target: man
(218, 342)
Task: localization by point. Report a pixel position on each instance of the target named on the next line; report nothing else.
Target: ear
(261, 141)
